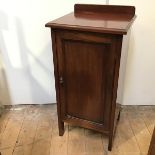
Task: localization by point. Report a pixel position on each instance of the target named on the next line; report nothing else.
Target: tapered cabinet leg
(118, 118)
(110, 143)
(61, 128)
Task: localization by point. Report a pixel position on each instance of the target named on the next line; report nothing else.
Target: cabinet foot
(61, 128)
(118, 118)
(110, 143)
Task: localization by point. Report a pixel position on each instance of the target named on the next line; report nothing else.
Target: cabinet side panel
(56, 74)
(122, 70)
(115, 109)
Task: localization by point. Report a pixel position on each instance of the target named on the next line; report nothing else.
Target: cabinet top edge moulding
(112, 19)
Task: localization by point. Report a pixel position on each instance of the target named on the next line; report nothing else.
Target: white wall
(25, 46)
(140, 72)
(26, 50)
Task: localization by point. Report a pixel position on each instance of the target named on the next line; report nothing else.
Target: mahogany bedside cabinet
(87, 46)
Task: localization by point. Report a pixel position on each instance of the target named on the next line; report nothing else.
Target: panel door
(86, 65)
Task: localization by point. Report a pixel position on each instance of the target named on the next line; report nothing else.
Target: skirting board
(1, 109)
(16, 105)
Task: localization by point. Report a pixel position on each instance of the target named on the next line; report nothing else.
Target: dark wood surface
(83, 60)
(102, 9)
(152, 145)
(86, 65)
(97, 18)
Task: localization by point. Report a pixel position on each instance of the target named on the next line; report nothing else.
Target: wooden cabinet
(152, 145)
(86, 52)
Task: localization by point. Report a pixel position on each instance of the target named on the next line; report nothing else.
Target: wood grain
(97, 18)
(87, 50)
(132, 134)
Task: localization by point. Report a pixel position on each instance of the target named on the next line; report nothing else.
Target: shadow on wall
(35, 87)
(4, 89)
(26, 83)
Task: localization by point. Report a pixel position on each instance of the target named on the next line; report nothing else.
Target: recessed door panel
(86, 68)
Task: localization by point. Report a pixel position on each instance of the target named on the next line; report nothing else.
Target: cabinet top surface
(112, 19)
